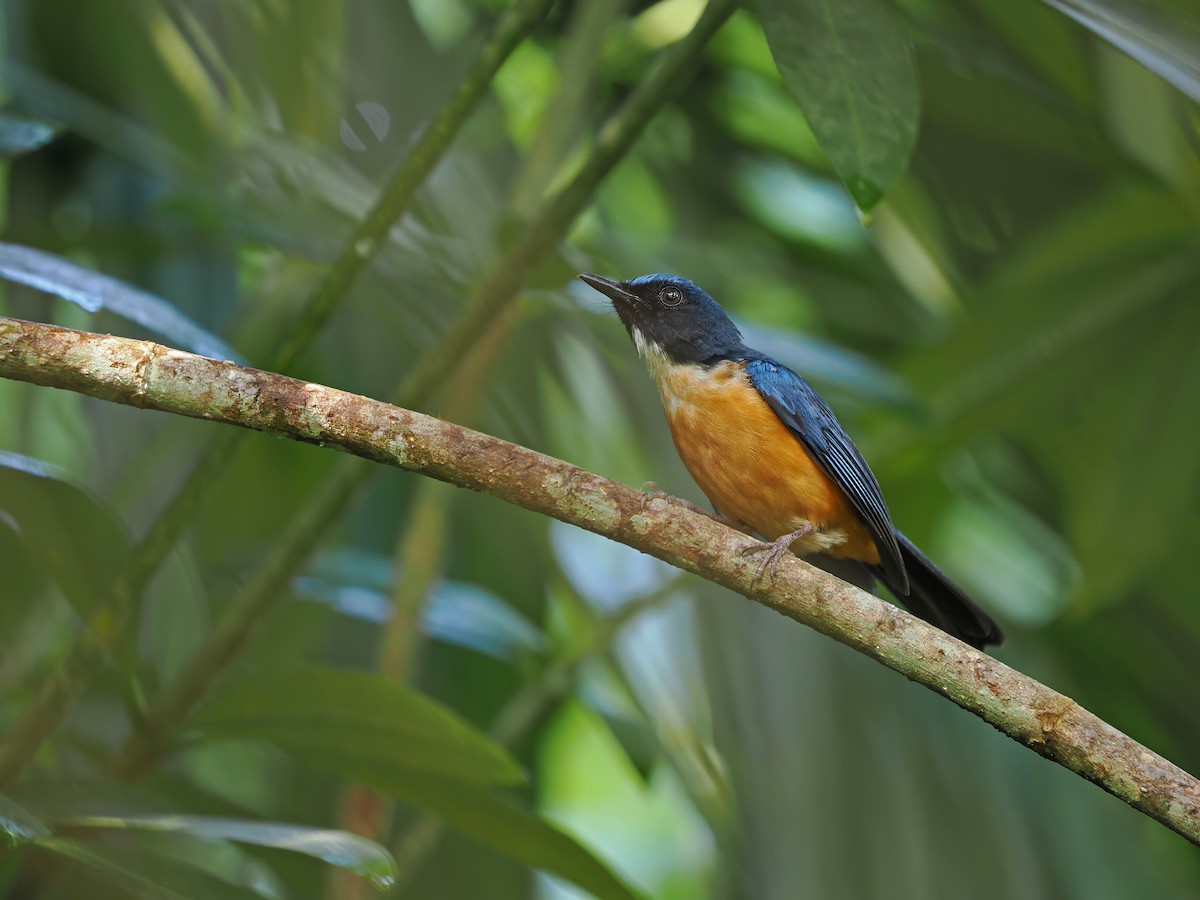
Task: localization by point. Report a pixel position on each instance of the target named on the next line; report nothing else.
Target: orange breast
(751, 466)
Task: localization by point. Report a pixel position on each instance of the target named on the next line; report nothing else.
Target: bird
(771, 456)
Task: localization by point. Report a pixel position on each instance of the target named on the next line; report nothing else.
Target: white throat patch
(651, 352)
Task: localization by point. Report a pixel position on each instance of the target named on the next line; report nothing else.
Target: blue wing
(802, 410)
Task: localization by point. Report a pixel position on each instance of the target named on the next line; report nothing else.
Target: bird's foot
(774, 551)
(650, 491)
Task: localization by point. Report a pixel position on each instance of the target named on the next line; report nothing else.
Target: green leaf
(1162, 36)
(140, 873)
(1128, 452)
(1121, 224)
(849, 65)
(759, 111)
(1047, 357)
(362, 726)
(94, 292)
(18, 826)
(1045, 40)
(338, 848)
(68, 532)
(356, 583)
(24, 580)
(509, 829)
(402, 744)
(1093, 268)
(20, 135)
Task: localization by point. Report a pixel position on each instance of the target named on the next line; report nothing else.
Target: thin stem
(514, 26)
(418, 568)
(566, 114)
(233, 630)
(117, 604)
(498, 291)
(674, 67)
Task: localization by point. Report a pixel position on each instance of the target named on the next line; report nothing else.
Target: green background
(1009, 326)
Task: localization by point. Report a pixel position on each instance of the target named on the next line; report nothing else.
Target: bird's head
(671, 318)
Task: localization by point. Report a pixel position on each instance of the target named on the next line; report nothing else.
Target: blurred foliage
(1011, 332)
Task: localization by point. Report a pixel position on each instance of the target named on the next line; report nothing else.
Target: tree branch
(150, 376)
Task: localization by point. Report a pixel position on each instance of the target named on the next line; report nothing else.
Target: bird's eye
(671, 296)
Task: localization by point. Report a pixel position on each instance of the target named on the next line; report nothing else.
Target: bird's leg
(774, 551)
(650, 491)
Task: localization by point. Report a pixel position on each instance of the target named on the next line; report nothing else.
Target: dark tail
(932, 596)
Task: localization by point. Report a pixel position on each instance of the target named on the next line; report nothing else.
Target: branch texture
(150, 376)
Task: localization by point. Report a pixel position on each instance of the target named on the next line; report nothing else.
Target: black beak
(613, 290)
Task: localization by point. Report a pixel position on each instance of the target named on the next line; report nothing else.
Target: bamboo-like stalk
(150, 376)
(118, 600)
(496, 294)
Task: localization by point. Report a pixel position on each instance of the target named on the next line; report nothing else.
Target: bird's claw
(651, 491)
(774, 551)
